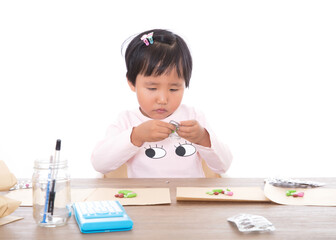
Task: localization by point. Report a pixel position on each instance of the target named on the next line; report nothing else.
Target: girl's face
(159, 96)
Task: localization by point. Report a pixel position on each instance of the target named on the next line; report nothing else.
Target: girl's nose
(162, 98)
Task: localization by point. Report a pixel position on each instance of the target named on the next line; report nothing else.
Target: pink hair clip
(147, 37)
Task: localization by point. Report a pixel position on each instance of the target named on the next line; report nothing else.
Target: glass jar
(51, 193)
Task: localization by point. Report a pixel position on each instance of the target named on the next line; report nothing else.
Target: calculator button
(100, 209)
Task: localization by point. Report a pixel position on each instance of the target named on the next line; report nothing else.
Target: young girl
(159, 68)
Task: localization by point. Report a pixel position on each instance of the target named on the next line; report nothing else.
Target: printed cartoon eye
(185, 150)
(155, 152)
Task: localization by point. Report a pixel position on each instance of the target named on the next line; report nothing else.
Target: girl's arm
(216, 154)
(218, 157)
(113, 151)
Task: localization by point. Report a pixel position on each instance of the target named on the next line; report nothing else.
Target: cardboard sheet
(251, 194)
(7, 179)
(26, 197)
(23, 195)
(312, 196)
(9, 219)
(80, 195)
(7, 206)
(145, 196)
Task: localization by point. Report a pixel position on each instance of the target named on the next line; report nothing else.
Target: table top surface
(189, 219)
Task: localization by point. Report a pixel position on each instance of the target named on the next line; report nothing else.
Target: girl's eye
(173, 90)
(151, 89)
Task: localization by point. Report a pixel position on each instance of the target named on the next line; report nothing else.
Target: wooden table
(189, 220)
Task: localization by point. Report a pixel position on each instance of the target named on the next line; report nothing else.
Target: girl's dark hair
(168, 51)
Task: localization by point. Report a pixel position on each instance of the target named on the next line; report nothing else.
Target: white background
(264, 74)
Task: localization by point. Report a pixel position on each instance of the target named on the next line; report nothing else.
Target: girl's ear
(130, 84)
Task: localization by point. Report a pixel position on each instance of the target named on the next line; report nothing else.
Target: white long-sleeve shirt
(169, 158)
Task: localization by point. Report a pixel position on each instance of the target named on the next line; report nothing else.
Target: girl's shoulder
(190, 112)
(128, 118)
(131, 115)
(186, 108)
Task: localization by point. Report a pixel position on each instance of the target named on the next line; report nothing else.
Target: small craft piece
(294, 193)
(174, 132)
(7, 179)
(220, 191)
(293, 183)
(125, 194)
(251, 223)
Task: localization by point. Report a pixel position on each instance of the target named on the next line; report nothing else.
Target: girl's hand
(193, 132)
(151, 131)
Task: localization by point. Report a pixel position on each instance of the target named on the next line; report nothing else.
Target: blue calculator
(101, 216)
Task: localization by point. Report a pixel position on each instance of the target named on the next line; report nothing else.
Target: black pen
(52, 193)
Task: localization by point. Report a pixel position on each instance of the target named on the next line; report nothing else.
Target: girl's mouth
(160, 110)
